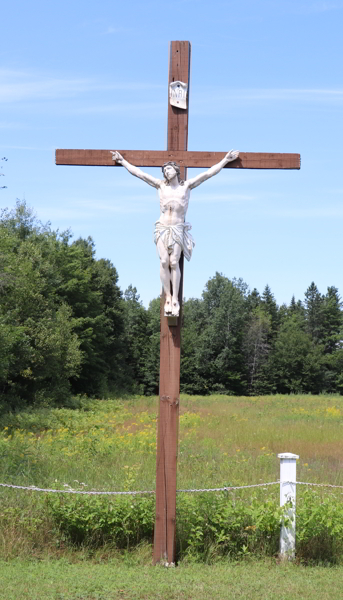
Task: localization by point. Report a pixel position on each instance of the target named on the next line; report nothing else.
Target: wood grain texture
(179, 69)
(199, 160)
(170, 349)
(167, 438)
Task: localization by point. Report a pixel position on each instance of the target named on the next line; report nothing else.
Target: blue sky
(266, 77)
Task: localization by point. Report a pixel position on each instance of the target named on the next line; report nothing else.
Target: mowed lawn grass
(263, 580)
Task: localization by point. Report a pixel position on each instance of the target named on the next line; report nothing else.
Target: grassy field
(111, 445)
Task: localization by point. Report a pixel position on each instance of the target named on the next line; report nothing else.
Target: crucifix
(173, 242)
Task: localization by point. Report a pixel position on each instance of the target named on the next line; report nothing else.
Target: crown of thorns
(171, 163)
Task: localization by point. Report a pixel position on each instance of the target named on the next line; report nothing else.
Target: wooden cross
(169, 392)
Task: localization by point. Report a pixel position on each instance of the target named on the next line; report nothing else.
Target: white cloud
(28, 87)
(17, 86)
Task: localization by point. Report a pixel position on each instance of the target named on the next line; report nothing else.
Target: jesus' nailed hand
(171, 231)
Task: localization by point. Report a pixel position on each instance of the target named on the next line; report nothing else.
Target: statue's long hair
(177, 169)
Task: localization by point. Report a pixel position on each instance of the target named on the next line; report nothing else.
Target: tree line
(67, 329)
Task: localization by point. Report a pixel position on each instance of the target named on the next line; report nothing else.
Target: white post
(288, 473)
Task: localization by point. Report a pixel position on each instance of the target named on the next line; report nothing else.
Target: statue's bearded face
(169, 172)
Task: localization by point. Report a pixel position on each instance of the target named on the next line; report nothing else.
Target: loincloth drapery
(175, 234)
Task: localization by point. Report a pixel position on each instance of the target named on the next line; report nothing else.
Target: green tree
(56, 355)
(136, 336)
(193, 325)
(332, 319)
(152, 357)
(296, 362)
(220, 344)
(62, 311)
(253, 300)
(333, 340)
(314, 302)
(334, 370)
(257, 346)
(296, 307)
(268, 303)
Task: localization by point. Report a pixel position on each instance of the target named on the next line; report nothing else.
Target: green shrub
(203, 522)
(319, 528)
(218, 524)
(123, 522)
(208, 525)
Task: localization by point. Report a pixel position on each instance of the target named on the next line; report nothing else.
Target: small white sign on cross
(178, 94)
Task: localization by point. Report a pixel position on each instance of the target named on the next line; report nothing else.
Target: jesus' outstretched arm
(135, 170)
(195, 181)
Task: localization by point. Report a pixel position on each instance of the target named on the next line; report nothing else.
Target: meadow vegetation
(224, 441)
(69, 335)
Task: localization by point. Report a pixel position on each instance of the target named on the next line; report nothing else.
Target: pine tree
(270, 307)
(152, 358)
(332, 319)
(296, 362)
(253, 300)
(136, 335)
(314, 313)
(293, 305)
(221, 359)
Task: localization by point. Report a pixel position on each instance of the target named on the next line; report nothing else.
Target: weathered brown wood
(156, 158)
(179, 62)
(167, 437)
(170, 347)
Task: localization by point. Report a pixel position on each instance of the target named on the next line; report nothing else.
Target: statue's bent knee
(174, 263)
(164, 263)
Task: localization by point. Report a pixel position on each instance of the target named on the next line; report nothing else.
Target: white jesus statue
(171, 231)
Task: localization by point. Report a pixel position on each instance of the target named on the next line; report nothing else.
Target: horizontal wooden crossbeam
(156, 158)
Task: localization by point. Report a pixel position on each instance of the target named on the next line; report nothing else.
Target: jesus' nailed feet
(171, 307)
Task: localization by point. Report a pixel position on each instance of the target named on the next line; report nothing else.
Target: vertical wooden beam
(170, 342)
(179, 70)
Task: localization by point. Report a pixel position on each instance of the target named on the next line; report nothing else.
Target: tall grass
(111, 445)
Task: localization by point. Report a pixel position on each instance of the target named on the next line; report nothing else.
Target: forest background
(67, 329)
